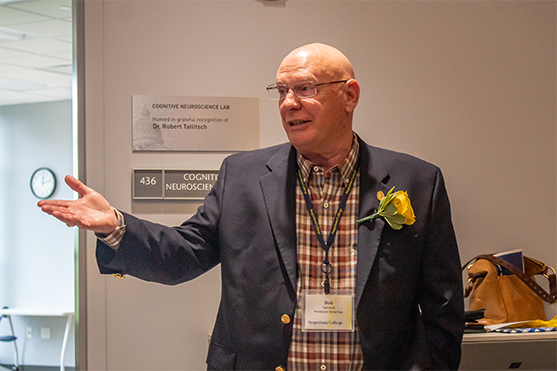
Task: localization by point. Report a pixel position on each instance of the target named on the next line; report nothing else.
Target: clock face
(43, 183)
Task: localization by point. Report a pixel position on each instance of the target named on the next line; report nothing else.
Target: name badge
(328, 313)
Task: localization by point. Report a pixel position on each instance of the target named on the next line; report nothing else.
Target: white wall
(467, 85)
(36, 251)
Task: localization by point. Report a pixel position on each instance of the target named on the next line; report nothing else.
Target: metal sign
(174, 123)
(149, 184)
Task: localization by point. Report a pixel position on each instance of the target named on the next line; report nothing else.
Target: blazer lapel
(280, 201)
(373, 176)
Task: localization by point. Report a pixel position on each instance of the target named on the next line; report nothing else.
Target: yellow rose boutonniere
(395, 208)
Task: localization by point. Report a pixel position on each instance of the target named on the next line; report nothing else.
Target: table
(503, 351)
(498, 337)
(45, 313)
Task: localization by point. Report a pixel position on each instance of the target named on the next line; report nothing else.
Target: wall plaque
(174, 123)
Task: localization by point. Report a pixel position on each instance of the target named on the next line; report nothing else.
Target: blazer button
(279, 368)
(285, 319)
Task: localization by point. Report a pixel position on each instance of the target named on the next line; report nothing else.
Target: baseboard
(34, 368)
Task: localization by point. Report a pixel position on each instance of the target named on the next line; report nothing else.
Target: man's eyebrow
(303, 79)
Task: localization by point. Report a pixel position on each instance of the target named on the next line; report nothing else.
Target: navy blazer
(409, 302)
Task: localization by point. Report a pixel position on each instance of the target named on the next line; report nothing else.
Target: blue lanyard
(326, 267)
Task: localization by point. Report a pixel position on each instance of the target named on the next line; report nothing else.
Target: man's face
(312, 125)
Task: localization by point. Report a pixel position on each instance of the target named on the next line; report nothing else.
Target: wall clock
(43, 183)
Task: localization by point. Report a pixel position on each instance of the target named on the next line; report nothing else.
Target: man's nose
(291, 99)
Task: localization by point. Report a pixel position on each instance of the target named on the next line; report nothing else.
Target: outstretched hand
(91, 211)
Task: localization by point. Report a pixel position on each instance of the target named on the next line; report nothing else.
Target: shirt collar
(345, 167)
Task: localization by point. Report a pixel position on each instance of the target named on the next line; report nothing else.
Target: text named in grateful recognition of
(174, 123)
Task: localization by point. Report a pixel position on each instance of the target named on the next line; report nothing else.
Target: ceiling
(35, 51)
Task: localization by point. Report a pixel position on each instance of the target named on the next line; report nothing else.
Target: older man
(304, 285)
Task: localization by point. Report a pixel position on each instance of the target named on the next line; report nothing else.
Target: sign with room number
(152, 184)
(147, 184)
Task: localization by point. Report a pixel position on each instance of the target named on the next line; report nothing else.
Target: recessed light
(7, 34)
(14, 85)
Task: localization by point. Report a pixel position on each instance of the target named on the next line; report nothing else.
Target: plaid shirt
(326, 351)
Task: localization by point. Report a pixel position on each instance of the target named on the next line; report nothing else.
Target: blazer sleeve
(168, 255)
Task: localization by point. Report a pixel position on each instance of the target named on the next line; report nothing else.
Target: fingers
(61, 210)
(48, 206)
(64, 217)
(77, 185)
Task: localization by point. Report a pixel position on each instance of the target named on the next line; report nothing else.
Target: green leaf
(385, 201)
(390, 195)
(393, 225)
(398, 219)
(390, 210)
(390, 191)
(395, 221)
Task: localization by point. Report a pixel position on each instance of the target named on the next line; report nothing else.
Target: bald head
(325, 59)
(319, 126)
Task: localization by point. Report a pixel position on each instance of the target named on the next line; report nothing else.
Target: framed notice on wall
(173, 123)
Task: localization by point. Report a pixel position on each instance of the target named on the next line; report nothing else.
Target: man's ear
(352, 95)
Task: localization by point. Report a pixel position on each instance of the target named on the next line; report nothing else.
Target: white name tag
(332, 313)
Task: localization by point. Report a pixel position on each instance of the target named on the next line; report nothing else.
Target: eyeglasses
(305, 89)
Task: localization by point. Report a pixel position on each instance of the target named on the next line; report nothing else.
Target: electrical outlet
(29, 332)
(45, 333)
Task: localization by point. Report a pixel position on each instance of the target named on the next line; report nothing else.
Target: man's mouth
(298, 122)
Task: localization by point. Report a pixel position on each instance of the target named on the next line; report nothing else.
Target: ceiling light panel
(38, 46)
(51, 28)
(38, 66)
(33, 61)
(65, 55)
(20, 73)
(58, 93)
(9, 97)
(9, 16)
(56, 81)
(16, 85)
(59, 9)
(9, 53)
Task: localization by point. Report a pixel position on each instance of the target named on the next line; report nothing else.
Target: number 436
(148, 181)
